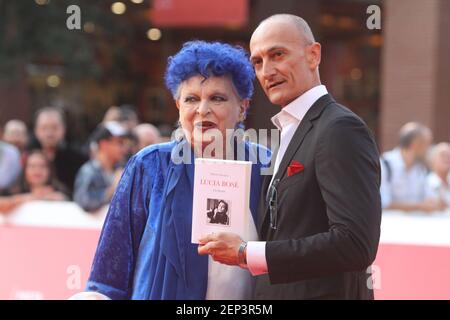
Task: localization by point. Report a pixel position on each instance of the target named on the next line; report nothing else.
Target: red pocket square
(294, 168)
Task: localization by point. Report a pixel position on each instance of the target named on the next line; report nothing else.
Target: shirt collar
(296, 110)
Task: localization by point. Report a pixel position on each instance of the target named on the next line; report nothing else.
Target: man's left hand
(223, 247)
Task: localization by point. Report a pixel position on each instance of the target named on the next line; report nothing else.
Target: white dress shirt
(228, 282)
(287, 121)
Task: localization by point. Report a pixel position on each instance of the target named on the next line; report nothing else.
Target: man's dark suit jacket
(328, 215)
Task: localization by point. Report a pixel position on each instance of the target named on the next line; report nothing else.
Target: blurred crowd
(40, 164)
(415, 174)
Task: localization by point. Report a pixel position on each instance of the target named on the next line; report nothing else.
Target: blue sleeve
(114, 262)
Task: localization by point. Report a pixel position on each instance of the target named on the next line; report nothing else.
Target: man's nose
(268, 70)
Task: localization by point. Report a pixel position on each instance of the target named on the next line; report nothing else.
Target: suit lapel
(305, 126)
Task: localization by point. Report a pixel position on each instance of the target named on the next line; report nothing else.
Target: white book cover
(221, 197)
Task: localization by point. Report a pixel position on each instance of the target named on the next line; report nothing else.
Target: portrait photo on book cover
(218, 211)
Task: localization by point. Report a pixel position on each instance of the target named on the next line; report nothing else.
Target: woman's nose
(203, 108)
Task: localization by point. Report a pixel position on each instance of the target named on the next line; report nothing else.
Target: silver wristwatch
(242, 256)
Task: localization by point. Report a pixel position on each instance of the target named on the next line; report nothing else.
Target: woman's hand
(223, 247)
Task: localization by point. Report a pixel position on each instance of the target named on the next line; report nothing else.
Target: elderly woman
(145, 249)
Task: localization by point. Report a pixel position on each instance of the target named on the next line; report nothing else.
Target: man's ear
(177, 103)
(314, 55)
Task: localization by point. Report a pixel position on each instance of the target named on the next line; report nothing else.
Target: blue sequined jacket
(145, 249)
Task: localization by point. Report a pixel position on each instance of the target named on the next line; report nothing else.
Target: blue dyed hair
(211, 59)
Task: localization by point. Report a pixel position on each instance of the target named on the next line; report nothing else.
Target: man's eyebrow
(274, 48)
(271, 49)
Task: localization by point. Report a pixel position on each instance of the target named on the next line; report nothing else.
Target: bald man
(320, 213)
